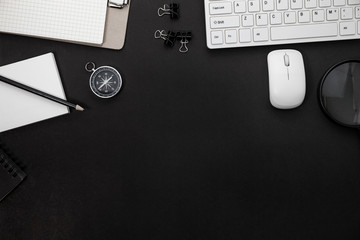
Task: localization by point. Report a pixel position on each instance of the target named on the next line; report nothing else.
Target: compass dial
(105, 82)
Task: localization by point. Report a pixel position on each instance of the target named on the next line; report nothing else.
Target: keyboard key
(332, 14)
(240, 6)
(346, 13)
(289, 17)
(347, 28)
(357, 12)
(217, 37)
(231, 36)
(339, 2)
(304, 31)
(296, 4)
(358, 24)
(318, 15)
(353, 2)
(247, 20)
(310, 3)
(220, 8)
(225, 22)
(261, 19)
(268, 5)
(275, 18)
(245, 35)
(261, 34)
(254, 5)
(304, 16)
(282, 4)
(324, 3)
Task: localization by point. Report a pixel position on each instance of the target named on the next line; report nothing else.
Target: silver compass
(105, 81)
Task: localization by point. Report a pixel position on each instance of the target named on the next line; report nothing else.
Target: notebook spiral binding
(8, 164)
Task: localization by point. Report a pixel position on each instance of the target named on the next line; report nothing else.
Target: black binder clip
(172, 10)
(184, 38)
(169, 37)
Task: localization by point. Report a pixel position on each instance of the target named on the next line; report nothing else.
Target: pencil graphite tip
(79, 108)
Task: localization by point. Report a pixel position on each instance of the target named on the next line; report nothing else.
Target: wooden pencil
(40, 93)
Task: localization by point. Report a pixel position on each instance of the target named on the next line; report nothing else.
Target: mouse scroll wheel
(286, 60)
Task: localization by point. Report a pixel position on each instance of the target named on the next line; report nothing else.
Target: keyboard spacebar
(304, 31)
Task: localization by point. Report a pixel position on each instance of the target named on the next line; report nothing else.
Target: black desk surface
(190, 149)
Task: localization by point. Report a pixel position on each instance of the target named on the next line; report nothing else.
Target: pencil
(40, 93)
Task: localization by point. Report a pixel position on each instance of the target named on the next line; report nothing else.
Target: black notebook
(10, 174)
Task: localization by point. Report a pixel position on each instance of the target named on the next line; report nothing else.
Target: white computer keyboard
(244, 23)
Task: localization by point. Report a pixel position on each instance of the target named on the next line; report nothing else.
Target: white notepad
(69, 20)
(19, 107)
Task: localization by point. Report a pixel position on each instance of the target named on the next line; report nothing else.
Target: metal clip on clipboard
(118, 3)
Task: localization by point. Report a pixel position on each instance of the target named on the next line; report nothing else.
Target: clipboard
(116, 24)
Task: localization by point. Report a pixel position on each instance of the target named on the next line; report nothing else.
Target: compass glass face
(105, 82)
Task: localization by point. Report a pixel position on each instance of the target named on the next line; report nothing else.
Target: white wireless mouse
(287, 84)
